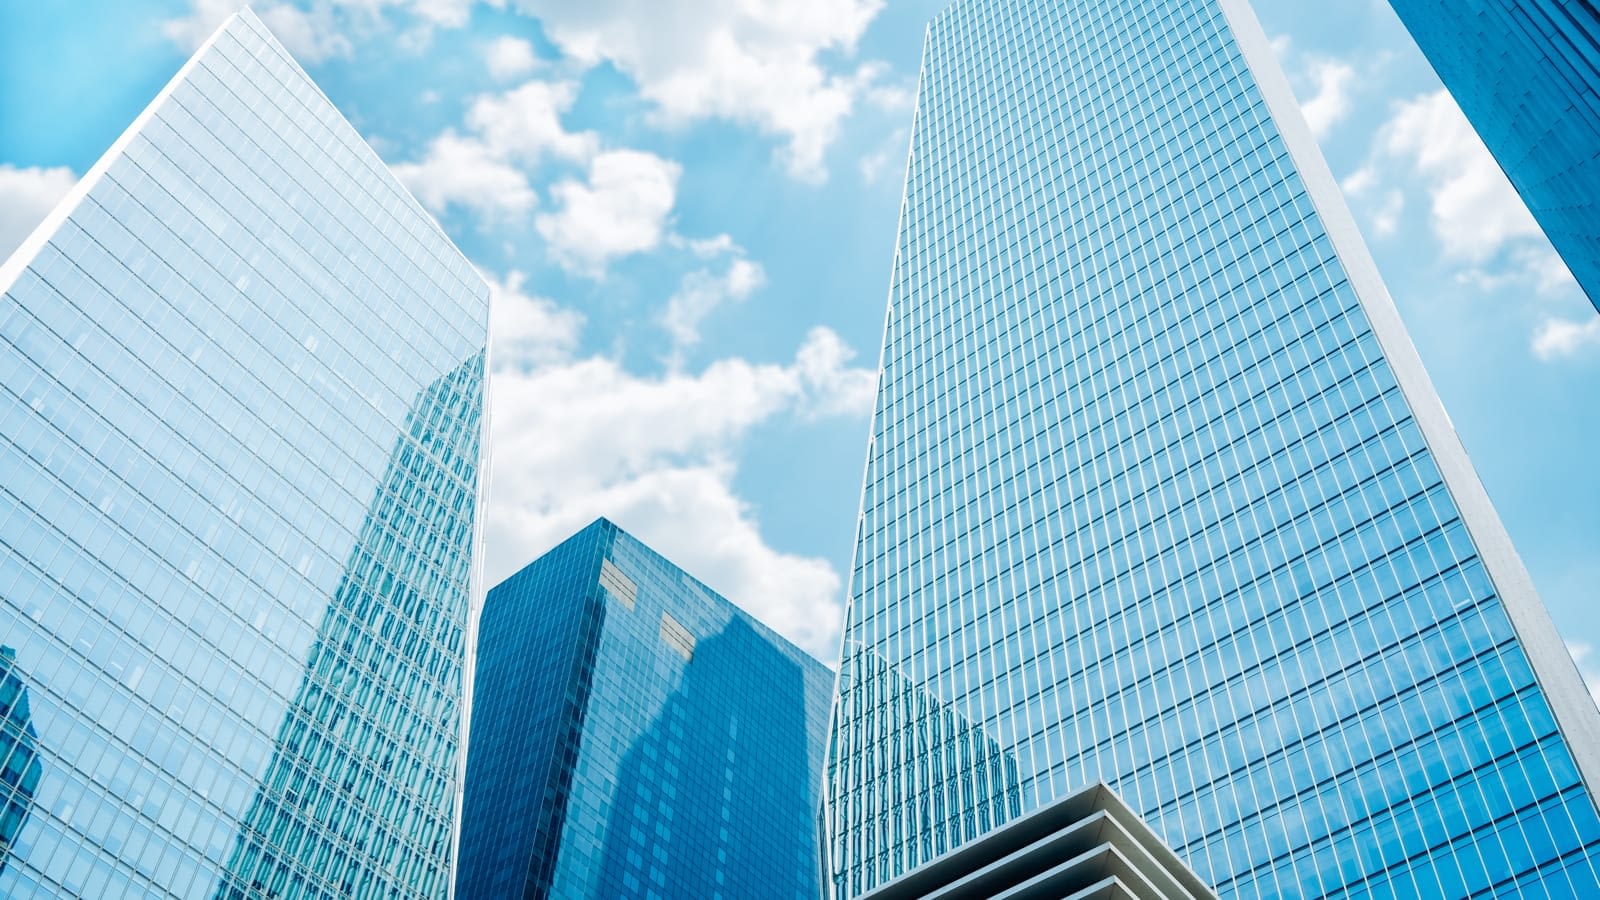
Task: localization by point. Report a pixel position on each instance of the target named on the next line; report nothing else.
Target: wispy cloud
(1558, 338)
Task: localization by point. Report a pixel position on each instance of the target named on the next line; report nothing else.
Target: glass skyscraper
(241, 412)
(1527, 75)
(636, 735)
(1158, 494)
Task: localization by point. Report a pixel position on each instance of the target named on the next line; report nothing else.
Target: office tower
(240, 444)
(1087, 846)
(1159, 495)
(1527, 75)
(636, 735)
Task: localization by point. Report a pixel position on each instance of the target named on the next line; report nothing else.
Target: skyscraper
(636, 735)
(240, 446)
(1158, 493)
(1527, 75)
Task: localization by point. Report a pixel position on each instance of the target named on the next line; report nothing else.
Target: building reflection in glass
(917, 779)
(361, 787)
(19, 754)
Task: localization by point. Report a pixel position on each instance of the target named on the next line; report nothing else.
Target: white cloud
(528, 331)
(657, 455)
(311, 35)
(1581, 653)
(1562, 337)
(509, 57)
(701, 292)
(755, 63)
(445, 13)
(524, 123)
(620, 209)
(27, 194)
(1332, 100)
(481, 171)
(464, 172)
(1474, 210)
(705, 248)
(836, 389)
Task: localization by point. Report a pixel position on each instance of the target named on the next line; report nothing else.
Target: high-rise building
(1527, 75)
(1159, 495)
(241, 412)
(636, 735)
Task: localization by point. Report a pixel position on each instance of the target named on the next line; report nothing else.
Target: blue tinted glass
(239, 448)
(1147, 504)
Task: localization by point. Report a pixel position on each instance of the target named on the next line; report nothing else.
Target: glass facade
(1158, 495)
(1527, 75)
(241, 405)
(636, 735)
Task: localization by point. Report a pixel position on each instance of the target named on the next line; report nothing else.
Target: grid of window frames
(1145, 502)
(241, 396)
(635, 735)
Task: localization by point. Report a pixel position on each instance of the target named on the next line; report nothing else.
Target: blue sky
(687, 212)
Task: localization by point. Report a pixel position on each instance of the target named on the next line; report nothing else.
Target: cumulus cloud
(528, 331)
(657, 455)
(620, 208)
(835, 387)
(464, 172)
(759, 64)
(1556, 338)
(1331, 101)
(701, 292)
(26, 195)
(483, 170)
(525, 123)
(508, 57)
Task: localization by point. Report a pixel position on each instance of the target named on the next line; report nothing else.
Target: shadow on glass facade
(19, 753)
(240, 397)
(1159, 496)
(716, 812)
(634, 735)
(1527, 75)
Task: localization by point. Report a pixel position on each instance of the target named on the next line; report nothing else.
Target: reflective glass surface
(636, 735)
(1527, 75)
(241, 392)
(1146, 504)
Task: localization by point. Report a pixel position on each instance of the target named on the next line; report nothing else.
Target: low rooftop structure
(1087, 846)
